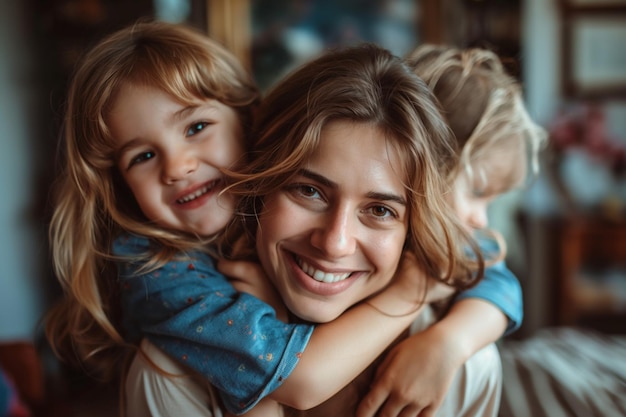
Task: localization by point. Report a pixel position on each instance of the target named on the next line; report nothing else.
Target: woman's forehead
(363, 149)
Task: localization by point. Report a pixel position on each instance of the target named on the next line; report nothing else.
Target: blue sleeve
(501, 288)
(194, 314)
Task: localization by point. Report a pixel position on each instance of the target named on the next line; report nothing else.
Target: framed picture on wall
(594, 52)
(597, 3)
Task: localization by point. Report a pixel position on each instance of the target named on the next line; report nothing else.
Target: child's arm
(234, 340)
(338, 351)
(264, 408)
(193, 313)
(417, 373)
(249, 277)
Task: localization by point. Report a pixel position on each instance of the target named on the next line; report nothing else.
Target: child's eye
(196, 127)
(478, 193)
(142, 157)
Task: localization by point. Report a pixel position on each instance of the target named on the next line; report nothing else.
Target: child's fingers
(238, 269)
(372, 402)
(412, 411)
(401, 408)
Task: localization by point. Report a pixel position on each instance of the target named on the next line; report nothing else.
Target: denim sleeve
(193, 313)
(500, 287)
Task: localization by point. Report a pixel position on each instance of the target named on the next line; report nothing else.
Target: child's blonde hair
(365, 84)
(484, 108)
(93, 203)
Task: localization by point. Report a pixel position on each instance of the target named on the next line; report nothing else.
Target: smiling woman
(371, 105)
(334, 234)
(347, 179)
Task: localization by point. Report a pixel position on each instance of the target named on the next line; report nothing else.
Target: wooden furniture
(587, 248)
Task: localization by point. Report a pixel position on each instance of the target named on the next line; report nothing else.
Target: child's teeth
(195, 195)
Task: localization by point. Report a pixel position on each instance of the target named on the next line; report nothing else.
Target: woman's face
(334, 234)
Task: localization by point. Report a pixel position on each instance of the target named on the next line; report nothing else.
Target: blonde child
(155, 114)
(498, 145)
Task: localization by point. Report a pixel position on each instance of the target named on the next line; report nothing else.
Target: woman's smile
(319, 275)
(320, 282)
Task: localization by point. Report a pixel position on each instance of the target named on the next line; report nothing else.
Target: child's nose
(478, 217)
(178, 166)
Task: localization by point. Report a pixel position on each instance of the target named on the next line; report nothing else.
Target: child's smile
(198, 195)
(171, 153)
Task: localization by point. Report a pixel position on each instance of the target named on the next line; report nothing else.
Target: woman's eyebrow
(317, 178)
(372, 194)
(387, 197)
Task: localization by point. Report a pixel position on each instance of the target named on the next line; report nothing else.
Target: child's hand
(414, 377)
(243, 274)
(410, 289)
(250, 278)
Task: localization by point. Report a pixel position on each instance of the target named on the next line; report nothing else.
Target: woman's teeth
(321, 276)
(196, 194)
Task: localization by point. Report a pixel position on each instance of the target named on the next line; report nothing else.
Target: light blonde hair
(484, 107)
(93, 204)
(364, 84)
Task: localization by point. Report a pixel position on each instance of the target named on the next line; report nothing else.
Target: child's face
(494, 175)
(471, 202)
(170, 155)
(334, 234)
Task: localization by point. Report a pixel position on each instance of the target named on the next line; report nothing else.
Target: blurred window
(286, 33)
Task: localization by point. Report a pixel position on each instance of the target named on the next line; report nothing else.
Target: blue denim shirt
(194, 314)
(501, 288)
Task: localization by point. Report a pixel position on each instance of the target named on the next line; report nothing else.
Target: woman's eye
(304, 191)
(382, 211)
(307, 190)
(142, 157)
(196, 127)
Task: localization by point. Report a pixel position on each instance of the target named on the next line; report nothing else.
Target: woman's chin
(315, 315)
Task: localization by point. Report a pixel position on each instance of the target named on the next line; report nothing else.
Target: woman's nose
(335, 237)
(178, 165)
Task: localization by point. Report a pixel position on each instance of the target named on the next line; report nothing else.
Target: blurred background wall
(41, 40)
(23, 253)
